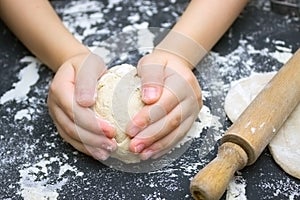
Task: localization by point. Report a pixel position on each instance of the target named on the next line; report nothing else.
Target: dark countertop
(35, 159)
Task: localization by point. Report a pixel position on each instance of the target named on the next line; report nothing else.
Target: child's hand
(173, 97)
(71, 94)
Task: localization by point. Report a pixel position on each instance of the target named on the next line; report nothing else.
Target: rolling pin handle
(211, 182)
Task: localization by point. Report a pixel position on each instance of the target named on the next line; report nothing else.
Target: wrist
(172, 57)
(182, 46)
(71, 53)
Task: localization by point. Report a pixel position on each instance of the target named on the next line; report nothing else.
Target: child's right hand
(72, 93)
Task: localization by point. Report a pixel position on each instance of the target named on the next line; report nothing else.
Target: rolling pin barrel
(251, 133)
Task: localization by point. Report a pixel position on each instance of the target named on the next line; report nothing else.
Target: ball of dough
(284, 146)
(118, 100)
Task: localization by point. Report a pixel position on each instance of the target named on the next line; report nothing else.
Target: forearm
(39, 28)
(201, 26)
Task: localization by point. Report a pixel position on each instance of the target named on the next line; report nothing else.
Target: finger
(152, 113)
(81, 135)
(151, 71)
(164, 145)
(163, 127)
(86, 79)
(99, 154)
(96, 153)
(63, 96)
(87, 119)
(177, 88)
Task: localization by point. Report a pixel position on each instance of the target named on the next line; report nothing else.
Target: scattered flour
(102, 52)
(145, 40)
(28, 76)
(36, 183)
(206, 120)
(83, 15)
(24, 113)
(236, 189)
(282, 57)
(112, 3)
(285, 187)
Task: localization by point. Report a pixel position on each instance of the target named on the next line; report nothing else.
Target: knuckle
(159, 146)
(143, 60)
(200, 101)
(175, 122)
(141, 121)
(54, 87)
(71, 131)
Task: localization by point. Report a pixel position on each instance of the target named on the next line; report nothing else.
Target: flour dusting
(285, 187)
(36, 183)
(105, 26)
(24, 113)
(28, 76)
(206, 120)
(236, 189)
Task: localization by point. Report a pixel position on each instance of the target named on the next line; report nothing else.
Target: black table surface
(37, 164)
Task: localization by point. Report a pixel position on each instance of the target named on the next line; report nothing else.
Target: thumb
(151, 70)
(88, 74)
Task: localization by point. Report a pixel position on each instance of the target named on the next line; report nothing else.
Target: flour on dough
(284, 146)
(118, 100)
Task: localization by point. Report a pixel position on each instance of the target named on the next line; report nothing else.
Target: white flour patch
(133, 18)
(37, 183)
(24, 113)
(102, 52)
(83, 15)
(236, 189)
(282, 53)
(206, 120)
(28, 76)
(282, 57)
(112, 3)
(145, 41)
(145, 37)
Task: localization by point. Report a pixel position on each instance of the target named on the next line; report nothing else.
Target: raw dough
(118, 99)
(284, 146)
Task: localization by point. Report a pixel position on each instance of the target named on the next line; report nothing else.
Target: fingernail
(139, 148)
(149, 93)
(101, 156)
(85, 98)
(107, 128)
(109, 148)
(146, 155)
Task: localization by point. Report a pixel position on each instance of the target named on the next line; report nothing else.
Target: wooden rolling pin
(245, 140)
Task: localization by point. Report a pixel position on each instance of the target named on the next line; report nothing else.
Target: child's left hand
(173, 100)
